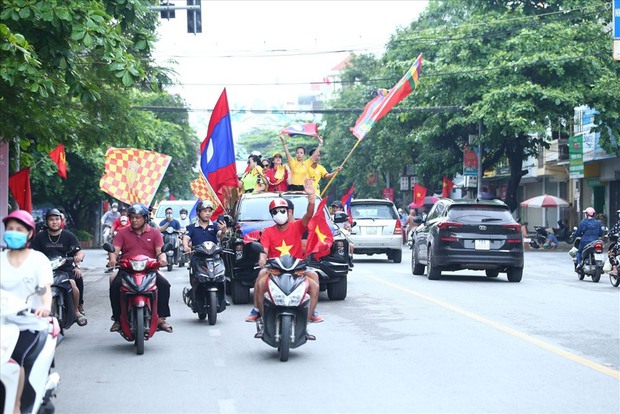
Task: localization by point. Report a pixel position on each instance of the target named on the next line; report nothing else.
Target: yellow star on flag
(284, 248)
(321, 236)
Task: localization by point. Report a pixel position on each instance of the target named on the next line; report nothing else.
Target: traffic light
(194, 17)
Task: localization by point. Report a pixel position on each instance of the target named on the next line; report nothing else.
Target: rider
(285, 238)
(24, 270)
(54, 241)
(203, 230)
(589, 230)
(122, 221)
(139, 238)
(613, 250)
(185, 221)
(169, 221)
(107, 220)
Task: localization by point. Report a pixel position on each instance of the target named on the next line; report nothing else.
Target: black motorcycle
(614, 247)
(63, 306)
(592, 260)
(171, 236)
(538, 240)
(208, 296)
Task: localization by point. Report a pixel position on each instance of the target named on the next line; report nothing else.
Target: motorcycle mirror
(257, 247)
(108, 247)
(75, 249)
(167, 247)
(354, 224)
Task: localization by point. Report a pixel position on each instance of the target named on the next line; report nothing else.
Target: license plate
(370, 231)
(482, 244)
(598, 257)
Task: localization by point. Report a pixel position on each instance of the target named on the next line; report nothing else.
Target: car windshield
(257, 209)
(478, 214)
(373, 212)
(176, 209)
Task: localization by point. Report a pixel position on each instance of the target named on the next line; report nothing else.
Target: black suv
(250, 216)
(468, 234)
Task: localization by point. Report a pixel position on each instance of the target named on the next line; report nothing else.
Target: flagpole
(343, 162)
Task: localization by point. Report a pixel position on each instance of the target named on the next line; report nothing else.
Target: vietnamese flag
(59, 157)
(446, 189)
(320, 236)
(419, 192)
(19, 184)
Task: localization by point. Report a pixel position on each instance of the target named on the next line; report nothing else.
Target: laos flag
(217, 151)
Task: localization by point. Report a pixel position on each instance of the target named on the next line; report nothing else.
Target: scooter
(592, 260)
(138, 297)
(285, 307)
(170, 236)
(614, 279)
(539, 238)
(63, 307)
(208, 297)
(40, 384)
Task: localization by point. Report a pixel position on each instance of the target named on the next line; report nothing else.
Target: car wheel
(416, 267)
(397, 256)
(433, 272)
(492, 272)
(337, 290)
(390, 255)
(515, 274)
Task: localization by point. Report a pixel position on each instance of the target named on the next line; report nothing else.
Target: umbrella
(428, 201)
(545, 200)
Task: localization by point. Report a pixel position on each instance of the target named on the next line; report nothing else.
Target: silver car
(378, 229)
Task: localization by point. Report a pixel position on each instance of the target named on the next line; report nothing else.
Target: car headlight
(138, 265)
(281, 299)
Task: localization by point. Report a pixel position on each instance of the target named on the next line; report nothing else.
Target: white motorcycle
(40, 383)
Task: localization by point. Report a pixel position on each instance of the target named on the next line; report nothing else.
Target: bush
(83, 235)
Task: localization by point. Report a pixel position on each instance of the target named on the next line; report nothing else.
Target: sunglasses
(278, 210)
(266, 165)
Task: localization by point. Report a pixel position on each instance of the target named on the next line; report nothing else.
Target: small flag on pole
(59, 157)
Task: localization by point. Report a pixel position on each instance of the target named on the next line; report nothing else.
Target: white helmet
(203, 205)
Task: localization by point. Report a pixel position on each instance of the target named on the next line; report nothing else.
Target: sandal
(81, 320)
(164, 326)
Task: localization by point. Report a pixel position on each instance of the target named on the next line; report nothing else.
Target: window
(476, 214)
(373, 211)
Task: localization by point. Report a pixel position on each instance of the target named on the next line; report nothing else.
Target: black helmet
(338, 204)
(203, 205)
(53, 212)
(138, 209)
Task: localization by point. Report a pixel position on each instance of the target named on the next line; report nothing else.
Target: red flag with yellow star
(320, 236)
(60, 159)
(419, 192)
(446, 190)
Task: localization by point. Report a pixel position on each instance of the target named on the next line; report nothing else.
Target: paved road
(398, 343)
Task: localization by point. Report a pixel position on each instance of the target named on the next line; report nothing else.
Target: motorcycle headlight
(138, 265)
(169, 230)
(280, 299)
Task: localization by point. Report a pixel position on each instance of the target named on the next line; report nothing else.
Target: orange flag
(60, 159)
(446, 190)
(419, 192)
(320, 236)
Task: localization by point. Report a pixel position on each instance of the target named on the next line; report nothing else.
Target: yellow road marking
(544, 345)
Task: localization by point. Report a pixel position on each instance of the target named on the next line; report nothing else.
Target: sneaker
(253, 316)
(316, 318)
(116, 327)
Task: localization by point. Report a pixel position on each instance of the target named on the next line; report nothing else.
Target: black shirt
(54, 246)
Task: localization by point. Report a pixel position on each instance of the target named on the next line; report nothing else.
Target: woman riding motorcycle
(23, 271)
(589, 230)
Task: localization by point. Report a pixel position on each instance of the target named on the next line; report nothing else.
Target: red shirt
(276, 184)
(279, 243)
(132, 244)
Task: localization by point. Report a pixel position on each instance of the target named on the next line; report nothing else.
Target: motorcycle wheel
(202, 316)
(212, 308)
(285, 337)
(170, 266)
(597, 274)
(139, 324)
(57, 311)
(581, 275)
(615, 280)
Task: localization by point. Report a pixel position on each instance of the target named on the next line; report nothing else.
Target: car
(378, 230)
(468, 234)
(175, 205)
(250, 216)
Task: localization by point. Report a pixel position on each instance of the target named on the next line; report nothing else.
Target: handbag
(607, 266)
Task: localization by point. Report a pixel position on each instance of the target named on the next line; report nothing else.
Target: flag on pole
(380, 106)
(346, 202)
(203, 191)
(446, 190)
(217, 151)
(303, 129)
(59, 157)
(19, 184)
(419, 192)
(133, 175)
(320, 236)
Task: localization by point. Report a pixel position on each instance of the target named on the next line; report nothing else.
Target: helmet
(203, 205)
(338, 204)
(23, 216)
(115, 204)
(590, 212)
(277, 203)
(138, 209)
(53, 212)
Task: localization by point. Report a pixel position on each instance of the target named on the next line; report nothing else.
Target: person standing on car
(298, 165)
(315, 170)
(278, 176)
(589, 229)
(54, 241)
(252, 180)
(140, 238)
(285, 237)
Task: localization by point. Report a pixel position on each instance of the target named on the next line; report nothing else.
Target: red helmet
(277, 203)
(23, 216)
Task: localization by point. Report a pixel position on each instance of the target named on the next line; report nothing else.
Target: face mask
(183, 216)
(114, 210)
(15, 240)
(168, 215)
(280, 218)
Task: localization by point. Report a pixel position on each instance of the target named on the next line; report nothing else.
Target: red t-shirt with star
(279, 243)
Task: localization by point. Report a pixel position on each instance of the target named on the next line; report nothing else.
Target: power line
(297, 111)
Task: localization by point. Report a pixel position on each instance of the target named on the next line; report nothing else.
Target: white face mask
(280, 218)
(183, 216)
(114, 209)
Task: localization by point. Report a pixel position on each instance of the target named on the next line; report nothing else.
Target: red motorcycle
(138, 297)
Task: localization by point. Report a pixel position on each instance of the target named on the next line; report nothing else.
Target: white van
(176, 206)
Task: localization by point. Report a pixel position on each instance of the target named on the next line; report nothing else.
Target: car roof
(371, 200)
(463, 202)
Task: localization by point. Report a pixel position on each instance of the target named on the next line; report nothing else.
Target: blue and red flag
(217, 151)
(303, 129)
(346, 202)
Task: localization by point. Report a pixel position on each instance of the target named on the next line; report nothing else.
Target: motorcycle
(285, 309)
(138, 297)
(63, 307)
(40, 383)
(614, 279)
(592, 259)
(171, 236)
(208, 297)
(538, 240)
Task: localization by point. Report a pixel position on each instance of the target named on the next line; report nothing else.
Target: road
(398, 343)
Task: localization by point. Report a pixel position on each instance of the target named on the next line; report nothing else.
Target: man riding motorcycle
(107, 220)
(55, 241)
(614, 248)
(589, 230)
(139, 238)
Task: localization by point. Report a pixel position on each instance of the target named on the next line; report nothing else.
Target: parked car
(379, 229)
(468, 234)
(250, 216)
